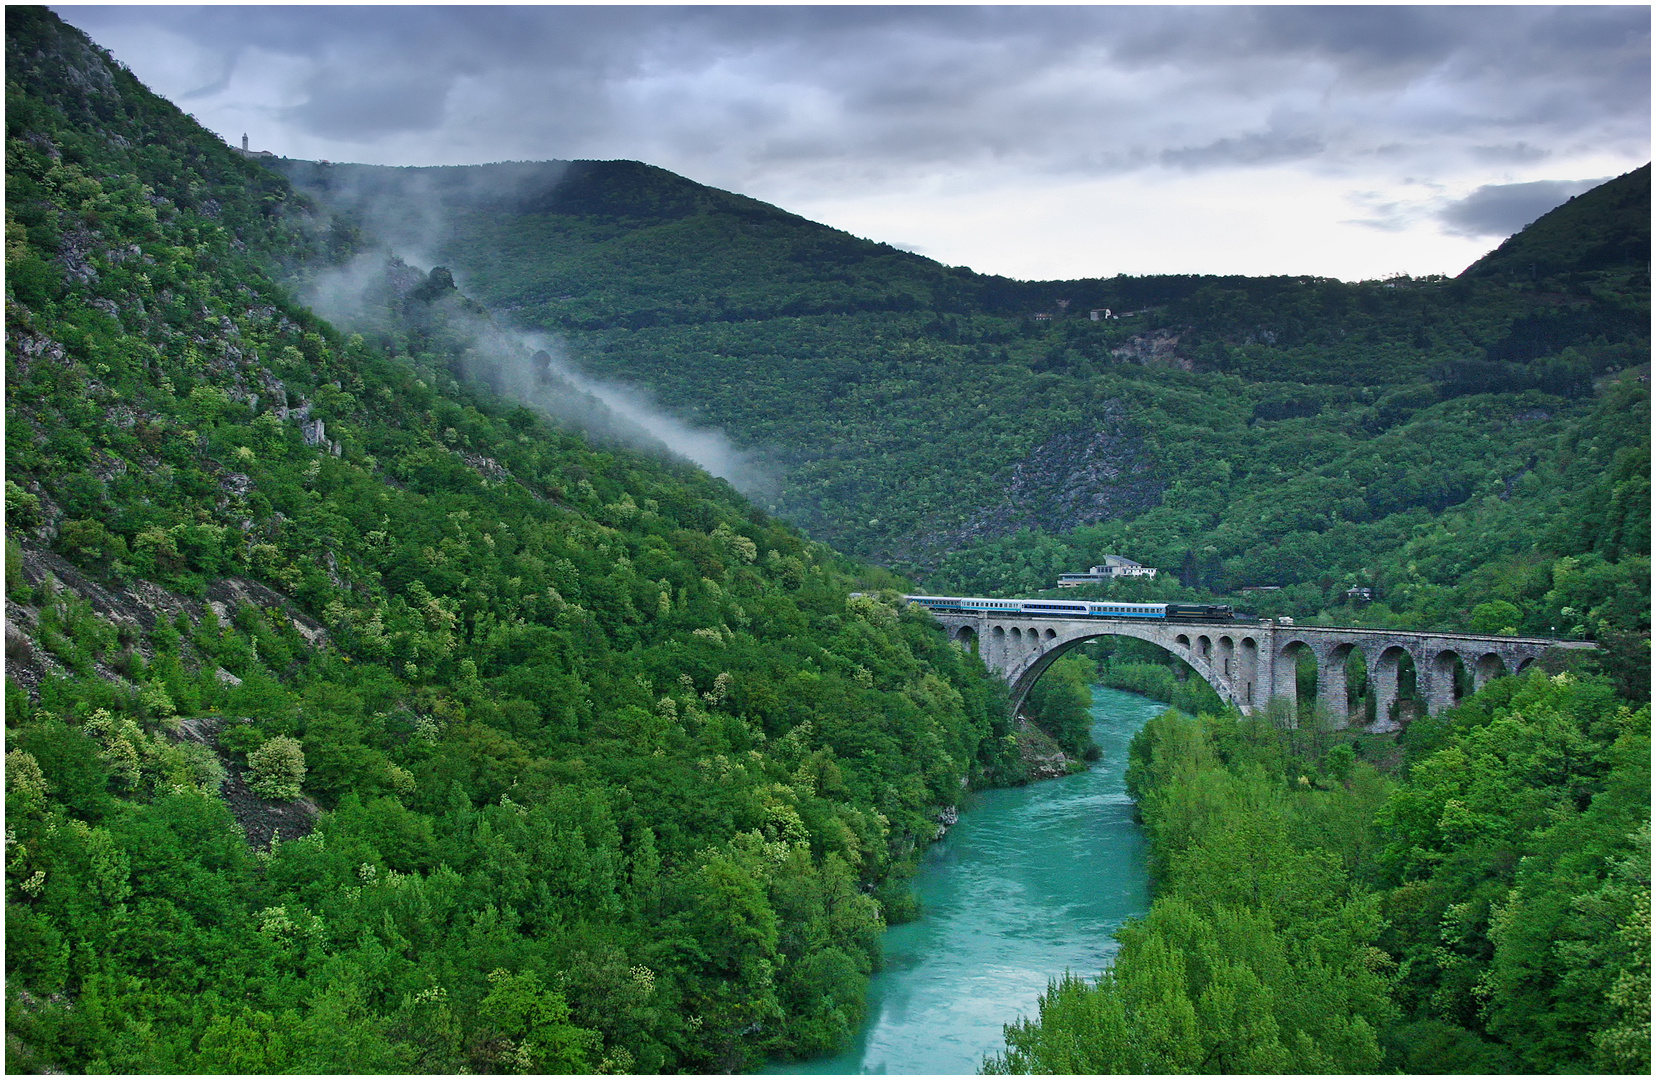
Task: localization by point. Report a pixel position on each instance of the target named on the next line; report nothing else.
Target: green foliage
(1059, 704)
(532, 1029)
(1496, 617)
(1514, 854)
(572, 714)
(1488, 911)
(277, 768)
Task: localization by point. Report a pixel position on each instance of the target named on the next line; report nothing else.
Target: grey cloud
(342, 109)
(1377, 35)
(1503, 209)
(745, 97)
(1261, 148)
(1510, 154)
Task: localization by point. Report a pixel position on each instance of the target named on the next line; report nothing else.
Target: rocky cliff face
(36, 649)
(1156, 347)
(1076, 477)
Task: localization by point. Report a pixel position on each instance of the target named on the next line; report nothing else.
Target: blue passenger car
(1060, 609)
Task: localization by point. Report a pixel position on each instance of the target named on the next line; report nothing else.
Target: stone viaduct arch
(1248, 664)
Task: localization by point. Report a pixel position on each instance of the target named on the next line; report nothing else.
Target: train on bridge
(1078, 609)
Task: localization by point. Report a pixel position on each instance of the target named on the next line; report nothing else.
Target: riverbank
(1190, 696)
(1042, 756)
(1032, 881)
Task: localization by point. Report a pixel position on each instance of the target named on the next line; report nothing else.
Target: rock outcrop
(134, 608)
(1075, 477)
(1043, 758)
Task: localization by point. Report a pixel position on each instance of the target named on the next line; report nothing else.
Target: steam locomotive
(1077, 609)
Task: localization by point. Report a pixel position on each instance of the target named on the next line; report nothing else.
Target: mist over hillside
(379, 294)
(389, 691)
(986, 434)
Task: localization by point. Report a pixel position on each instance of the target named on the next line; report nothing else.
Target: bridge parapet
(1249, 664)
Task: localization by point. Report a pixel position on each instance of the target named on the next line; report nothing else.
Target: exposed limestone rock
(488, 467)
(135, 608)
(262, 820)
(1043, 758)
(1076, 477)
(1156, 347)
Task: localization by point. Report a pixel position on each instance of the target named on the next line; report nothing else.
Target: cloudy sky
(1037, 142)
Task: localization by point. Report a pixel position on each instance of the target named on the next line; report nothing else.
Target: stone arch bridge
(1249, 663)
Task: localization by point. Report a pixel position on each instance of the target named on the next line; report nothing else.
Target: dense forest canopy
(379, 700)
(361, 721)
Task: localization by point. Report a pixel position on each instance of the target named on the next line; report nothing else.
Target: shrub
(1496, 617)
(278, 768)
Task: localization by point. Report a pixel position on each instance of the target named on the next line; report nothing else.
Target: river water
(1030, 882)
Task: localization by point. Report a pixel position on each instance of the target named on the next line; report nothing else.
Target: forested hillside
(1473, 452)
(1447, 444)
(376, 701)
(358, 720)
(1484, 910)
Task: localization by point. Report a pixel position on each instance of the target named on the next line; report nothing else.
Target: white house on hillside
(1115, 566)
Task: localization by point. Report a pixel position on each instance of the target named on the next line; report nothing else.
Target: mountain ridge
(643, 193)
(1605, 227)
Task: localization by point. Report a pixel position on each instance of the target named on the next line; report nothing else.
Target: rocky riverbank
(1042, 757)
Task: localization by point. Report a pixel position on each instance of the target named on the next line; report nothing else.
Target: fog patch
(708, 447)
(407, 209)
(353, 296)
(535, 369)
(378, 294)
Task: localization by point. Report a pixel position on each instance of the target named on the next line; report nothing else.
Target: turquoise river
(1030, 882)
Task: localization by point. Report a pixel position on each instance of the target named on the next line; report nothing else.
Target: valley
(1442, 443)
(389, 689)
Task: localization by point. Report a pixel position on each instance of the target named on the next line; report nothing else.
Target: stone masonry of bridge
(1249, 664)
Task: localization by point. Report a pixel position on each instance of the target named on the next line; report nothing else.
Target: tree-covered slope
(579, 761)
(1604, 229)
(1484, 910)
(1443, 443)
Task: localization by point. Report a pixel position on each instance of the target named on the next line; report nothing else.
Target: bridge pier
(1248, 664)
(1332, 690)
(1439, 682)
(1285, 675)
(1384, 676)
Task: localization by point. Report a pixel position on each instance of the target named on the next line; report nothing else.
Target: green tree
(1060, 701)
(530, 1027)
(277, 768)
(1496, 617)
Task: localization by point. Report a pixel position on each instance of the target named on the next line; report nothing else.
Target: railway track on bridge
(1251, 663)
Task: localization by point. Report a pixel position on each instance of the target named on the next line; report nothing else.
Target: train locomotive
(1075, 609)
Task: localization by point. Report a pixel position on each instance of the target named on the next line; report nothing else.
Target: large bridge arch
(1022, 649)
